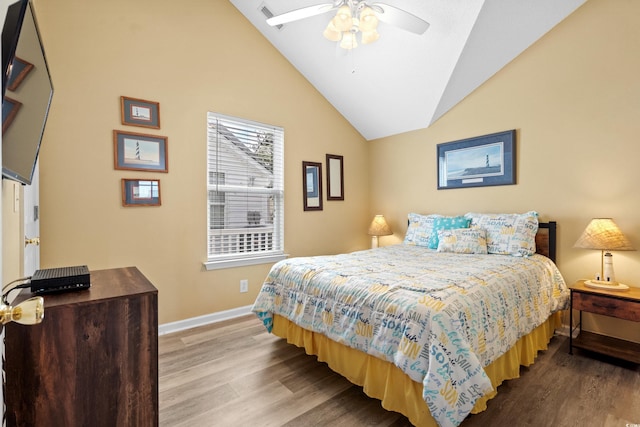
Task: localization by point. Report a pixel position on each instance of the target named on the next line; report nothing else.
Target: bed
(430, 326)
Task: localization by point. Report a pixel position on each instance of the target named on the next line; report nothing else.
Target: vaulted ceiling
(405, 81)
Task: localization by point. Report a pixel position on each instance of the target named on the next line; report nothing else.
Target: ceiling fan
(355, 17)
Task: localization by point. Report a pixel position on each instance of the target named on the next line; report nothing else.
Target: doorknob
(31, 241)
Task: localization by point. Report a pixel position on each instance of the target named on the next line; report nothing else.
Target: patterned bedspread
(440, 317)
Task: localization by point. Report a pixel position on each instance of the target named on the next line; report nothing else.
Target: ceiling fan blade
(305, 12)
(400, 18)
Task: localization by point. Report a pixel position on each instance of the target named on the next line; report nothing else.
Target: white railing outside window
(242, 240)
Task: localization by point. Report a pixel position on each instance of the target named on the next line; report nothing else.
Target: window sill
(243, 262)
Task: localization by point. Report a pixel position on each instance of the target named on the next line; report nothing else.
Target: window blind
(245, 186)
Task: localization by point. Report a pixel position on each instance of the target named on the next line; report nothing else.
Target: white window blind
(245, 186)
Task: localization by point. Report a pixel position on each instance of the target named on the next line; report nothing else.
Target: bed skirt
(384, 381)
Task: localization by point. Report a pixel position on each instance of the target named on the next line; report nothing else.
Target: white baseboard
(564, 331)
(193, 322)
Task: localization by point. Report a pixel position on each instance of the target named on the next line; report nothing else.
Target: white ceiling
(405, 81)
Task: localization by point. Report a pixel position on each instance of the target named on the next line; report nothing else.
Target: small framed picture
(10, 108)
(19, 70)
(335, 177)
(312, 186)
(140, 152)
(141, 192)
(139, 112)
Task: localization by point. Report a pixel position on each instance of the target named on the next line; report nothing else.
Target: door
(32, 224)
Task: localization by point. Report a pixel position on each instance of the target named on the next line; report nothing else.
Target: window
(245, 187)
(216, 201)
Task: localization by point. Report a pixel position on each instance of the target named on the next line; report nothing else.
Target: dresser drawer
(606, 305)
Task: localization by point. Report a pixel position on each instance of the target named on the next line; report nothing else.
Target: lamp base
(609, 286)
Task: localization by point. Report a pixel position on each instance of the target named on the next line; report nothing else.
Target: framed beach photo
(478, 162)
(139, 112)
(140, 152)
(141, 192)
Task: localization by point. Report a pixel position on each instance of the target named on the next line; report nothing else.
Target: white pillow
(420, 229)
(508, 234)
(463, 241)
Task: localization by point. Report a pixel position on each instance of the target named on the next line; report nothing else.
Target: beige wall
(574, 100)
(572, 97)
(191, 56)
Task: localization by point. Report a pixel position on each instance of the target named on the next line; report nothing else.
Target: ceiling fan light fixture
(332, 33)
(368, 20)
(349, 40)
(369, 36)
(343, 20)
(353, 17)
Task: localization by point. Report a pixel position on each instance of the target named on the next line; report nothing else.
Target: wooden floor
(236, 374)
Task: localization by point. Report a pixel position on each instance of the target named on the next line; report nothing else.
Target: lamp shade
(332, 33)
(343, 21)
(369, 36)
(368, 20)
(379, 227)
(603, 234)
(349, 40)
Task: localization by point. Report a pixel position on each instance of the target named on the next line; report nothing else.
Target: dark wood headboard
(546, 240)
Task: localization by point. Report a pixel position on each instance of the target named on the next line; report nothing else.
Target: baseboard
(207, 319)
(564, 331)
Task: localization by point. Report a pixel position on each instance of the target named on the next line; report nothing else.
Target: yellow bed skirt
(384, 381)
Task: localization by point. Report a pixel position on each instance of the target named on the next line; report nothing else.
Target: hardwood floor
(236, 374)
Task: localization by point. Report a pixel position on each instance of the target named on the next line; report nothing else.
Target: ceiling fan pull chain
(352, 54)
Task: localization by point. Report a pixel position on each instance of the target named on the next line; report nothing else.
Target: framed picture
(138, 112)
(10, 108)
(140, 152)
(478, 162)
(140, 192)
(335, 177)
(19, 70)
(312, 186)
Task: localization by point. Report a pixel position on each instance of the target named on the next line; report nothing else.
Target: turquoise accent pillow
(446, 223)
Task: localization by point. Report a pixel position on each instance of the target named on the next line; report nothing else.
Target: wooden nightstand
(620, 304)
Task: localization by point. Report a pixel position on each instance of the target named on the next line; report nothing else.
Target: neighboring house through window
(245, 186)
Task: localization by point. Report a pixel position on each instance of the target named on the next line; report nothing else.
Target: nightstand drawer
(606, 305)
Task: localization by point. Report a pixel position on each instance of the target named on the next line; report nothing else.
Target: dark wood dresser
(93, 361)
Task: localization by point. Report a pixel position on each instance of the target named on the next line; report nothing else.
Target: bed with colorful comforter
(442, 319)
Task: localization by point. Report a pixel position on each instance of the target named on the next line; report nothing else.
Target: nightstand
(620, 304)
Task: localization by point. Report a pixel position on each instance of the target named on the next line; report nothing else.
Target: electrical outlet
(244, 285)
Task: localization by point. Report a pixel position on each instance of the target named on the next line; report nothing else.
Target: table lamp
(604, 234)
(378, 227)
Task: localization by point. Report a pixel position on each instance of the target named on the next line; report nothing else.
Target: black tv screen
(10, 35)
(27, 96)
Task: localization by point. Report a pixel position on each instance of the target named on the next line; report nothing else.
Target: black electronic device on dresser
(61, 279)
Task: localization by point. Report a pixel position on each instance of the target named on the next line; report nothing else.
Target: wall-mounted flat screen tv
(27, 93)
